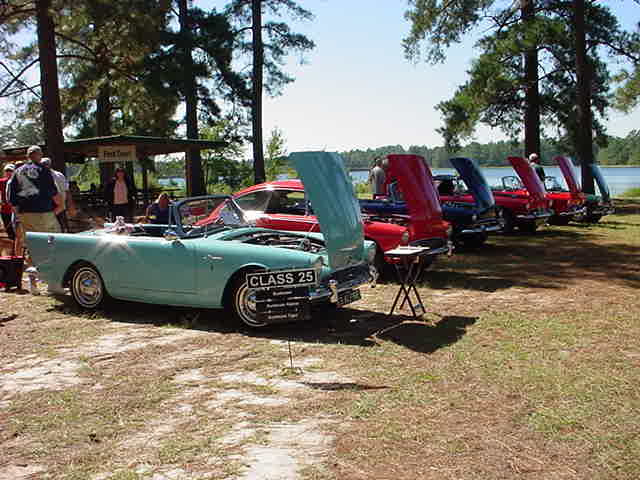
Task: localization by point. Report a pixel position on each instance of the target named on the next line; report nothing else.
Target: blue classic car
(598, 205)
(209, 256)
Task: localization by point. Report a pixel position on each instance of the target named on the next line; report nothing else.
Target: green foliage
(276, 154)
(632, 193)
(225, 166)
(495, 92)
(621, 151)
(279, 40)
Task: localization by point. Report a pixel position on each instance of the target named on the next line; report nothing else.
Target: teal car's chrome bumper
(341, 280)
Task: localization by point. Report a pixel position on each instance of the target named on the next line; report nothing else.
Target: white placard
(117, 153)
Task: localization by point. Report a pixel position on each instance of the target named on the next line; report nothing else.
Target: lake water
(172, 182)
(620, 179)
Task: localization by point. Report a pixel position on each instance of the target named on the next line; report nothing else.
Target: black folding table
(411, 259)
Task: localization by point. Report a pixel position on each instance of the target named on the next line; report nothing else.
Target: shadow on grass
(549, 259)
(333, 326)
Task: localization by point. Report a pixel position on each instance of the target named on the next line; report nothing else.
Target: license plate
(348, 296)
(282, 278)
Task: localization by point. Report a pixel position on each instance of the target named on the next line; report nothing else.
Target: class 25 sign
(283, 295)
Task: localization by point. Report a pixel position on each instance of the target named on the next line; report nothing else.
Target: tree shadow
(7, 319)
(345, 326)
(549, 260)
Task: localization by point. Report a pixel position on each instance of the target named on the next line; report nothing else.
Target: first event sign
(117, 153)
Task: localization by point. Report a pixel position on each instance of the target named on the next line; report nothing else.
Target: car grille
(432, 243)
(346, 274)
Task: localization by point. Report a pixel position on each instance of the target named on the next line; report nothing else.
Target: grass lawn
(525, 366)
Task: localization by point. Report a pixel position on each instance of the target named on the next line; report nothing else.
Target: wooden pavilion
(121, 149)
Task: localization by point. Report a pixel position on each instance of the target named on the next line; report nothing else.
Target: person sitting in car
(158, 211)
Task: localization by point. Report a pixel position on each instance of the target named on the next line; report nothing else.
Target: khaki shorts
(38, 222)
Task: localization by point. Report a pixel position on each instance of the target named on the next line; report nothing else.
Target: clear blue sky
(358, 91)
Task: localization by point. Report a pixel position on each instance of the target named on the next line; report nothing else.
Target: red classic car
(421, 211)
(565, 204)
(523, 199)
(282, 205)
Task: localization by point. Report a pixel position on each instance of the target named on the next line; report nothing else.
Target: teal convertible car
(209, 256)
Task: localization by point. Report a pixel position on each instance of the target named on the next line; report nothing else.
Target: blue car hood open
(603, 186)
(475, 181)
(333, 200)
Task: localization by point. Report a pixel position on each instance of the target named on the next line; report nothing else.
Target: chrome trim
(578, 211)
(534, 216)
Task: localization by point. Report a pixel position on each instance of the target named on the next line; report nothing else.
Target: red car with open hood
(421, 210)
(565, 204)
(523, 199)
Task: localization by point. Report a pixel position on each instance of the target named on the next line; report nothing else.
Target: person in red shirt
(5, 207)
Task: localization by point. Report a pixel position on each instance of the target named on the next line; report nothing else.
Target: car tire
(509, 221)
(560, 220)
(528, 227)
(87, 287)
(475, 241)
(243, 304)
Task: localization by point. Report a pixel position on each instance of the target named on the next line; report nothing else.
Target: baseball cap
(9, 166)
(33, 148)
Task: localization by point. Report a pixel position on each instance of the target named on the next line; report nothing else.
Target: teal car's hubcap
(245, 305)
(87, 287)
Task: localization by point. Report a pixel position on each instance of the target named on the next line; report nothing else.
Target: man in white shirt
(63, 189)
(377, 179)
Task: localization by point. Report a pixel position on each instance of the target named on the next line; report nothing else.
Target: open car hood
(334, 203)
(475, 181)
(530, 179)
(419, 192)
(569, 174)
(603, 186)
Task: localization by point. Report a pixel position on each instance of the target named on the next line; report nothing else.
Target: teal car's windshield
(202, 215)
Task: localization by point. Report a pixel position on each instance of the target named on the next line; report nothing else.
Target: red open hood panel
(569, 175)
(418, 189)
(530, 179)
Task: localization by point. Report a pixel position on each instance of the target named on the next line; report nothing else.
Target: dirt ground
(524, 366)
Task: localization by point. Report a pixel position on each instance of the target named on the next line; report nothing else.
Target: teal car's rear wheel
(243, 303)
(87, 287)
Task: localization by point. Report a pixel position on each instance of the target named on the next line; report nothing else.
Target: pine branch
(16, 78)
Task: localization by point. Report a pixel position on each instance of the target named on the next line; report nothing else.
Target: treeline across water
(620, 151)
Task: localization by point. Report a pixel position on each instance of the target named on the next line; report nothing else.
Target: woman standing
(120, 195)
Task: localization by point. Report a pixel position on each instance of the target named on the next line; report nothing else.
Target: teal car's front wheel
(87, 287)
(243, 302)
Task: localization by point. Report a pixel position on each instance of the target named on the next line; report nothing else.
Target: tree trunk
(532, 94)
(584, 124)
(103, 127)
(50, 86)
(193, 160)
(258, 60)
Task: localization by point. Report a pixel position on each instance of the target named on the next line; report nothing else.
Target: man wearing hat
(5, 207)
(534, 159)
(63, 189)
(34, 196)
